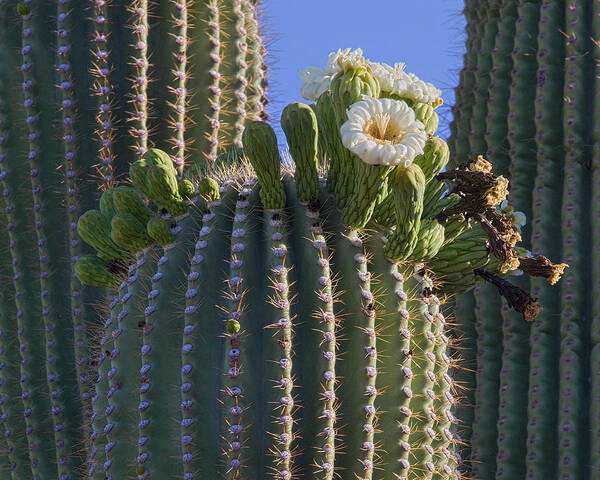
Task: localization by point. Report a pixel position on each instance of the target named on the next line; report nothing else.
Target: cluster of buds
(127, 222)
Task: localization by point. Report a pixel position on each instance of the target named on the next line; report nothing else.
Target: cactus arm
(160, 339)
(79, 319)
(241, 451)
(48, 299)
(177, 121)
(123, 385)
(102, 88)
(199, 383)
(483, 77)
(17, 458)
(394, 375)
(422, 365)
(278, 324)
(489, 356)
(497, 127)
(547, 193)
(139, 82)
(576, 247)
(315, 306)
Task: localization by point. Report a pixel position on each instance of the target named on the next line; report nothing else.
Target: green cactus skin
(160, 232)
(78, 99)
(129, 233)
(543, 401)
(408, 185)
(208, 189)
(260, 146)
(435, 157)
(92, 270)
(299, 124)
(127, 200)
(186, 189)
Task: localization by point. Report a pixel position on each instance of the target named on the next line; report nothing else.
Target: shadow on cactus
(292, 324)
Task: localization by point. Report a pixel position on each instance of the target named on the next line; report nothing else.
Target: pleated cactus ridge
(526, 102)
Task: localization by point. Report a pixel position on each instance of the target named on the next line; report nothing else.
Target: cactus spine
(539, 370)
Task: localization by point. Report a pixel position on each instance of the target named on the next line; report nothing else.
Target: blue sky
(427, 35)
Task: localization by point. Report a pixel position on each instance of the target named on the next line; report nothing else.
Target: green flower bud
(163, 190)
(127, 200)
(431, 239)
(107, 206)
(299, 124)
(160, 232)
(209, 190)
(128, 232)
(137, 173)
(408, 187)
(427, 115)
(23, 8)
(384, 213)
(435, 156)
(232, 327)
(155, 156)
(94, 229)
(186, 189)
(260, 146)
(92, 270)
(349, 86)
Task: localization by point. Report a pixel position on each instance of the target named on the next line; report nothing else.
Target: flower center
(383, 130)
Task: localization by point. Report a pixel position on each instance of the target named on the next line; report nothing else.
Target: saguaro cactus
(526, 101)
(253, 322)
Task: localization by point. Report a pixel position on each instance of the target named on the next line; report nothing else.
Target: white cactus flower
(517, 219)
(314, 82)
(344, 60)
(386, 75)
(395, 80)
(383, 132)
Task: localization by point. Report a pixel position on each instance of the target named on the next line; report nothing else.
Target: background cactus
(527, 101)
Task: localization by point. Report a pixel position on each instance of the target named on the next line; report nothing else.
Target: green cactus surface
(176, 303)
(527, 101)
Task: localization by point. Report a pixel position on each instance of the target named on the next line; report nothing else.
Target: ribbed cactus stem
(126, 328)
(160, 336)
(576, 247)
(13, 423)
(445, 443)
(256, 94)
(200, 453)
(180, 26)
(101, 360)
(546, 197)
(476, 23)
(422, 418)
(102, 88)
(499, 90)
(278, 416)
(594, 414)
(214, 37)
(240, 76)
(394, 377)
(315, 304)
(80, 340)
(49, 312)
(237, 391)
(369, 368)
(140, 26)
(483, 78)
(488, 327)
